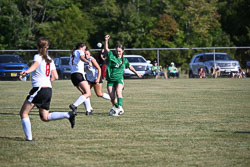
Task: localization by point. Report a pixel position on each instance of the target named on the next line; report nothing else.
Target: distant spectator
(202, 73)
(216, 71)
(158, 71)
(240, 74)
(231, 75)
(103, 65)
(173, 71)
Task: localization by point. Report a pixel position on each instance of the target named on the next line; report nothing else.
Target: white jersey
(75, 62)
(41, 76)
(91, 71)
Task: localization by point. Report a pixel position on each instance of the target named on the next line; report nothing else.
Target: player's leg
(26, 124)
(165, 75)
(99, 93)
(84, 88)
(111, 91)
(119, 103)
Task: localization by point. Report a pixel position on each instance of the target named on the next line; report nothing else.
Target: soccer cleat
(72, 119)
(73, 108)
(120, 110)
(30, 140)
(89, 113)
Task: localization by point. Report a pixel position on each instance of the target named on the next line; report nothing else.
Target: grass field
(175, 122)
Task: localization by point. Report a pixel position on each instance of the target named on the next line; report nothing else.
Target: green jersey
(115, 67)
(156, 68)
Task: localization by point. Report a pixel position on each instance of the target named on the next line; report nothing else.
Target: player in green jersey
(115, 81)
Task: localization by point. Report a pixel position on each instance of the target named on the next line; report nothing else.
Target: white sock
(80, 100)
(27, 128)
(87, 104)
(106, 96)
(58, 115)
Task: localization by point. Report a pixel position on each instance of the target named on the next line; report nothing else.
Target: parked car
(140, 64)
(226, 64)
(62, 67)
(11, 66)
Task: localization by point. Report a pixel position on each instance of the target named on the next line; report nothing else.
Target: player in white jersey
(77, 59)
(43, 73)
(93, 76)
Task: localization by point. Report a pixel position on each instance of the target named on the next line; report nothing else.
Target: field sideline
(174, 122)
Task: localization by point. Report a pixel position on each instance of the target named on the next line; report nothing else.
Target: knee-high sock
(58, 115)
(119, 103)
(87, 105)
(80, 100)
(106, 96)
(27, 128)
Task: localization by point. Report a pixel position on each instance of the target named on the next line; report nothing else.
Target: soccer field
(174, 122)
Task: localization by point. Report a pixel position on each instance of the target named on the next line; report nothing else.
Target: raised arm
(106, 46)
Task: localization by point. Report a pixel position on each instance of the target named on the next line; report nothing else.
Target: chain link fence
(164, 56)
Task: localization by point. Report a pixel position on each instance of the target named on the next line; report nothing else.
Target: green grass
(175, 122)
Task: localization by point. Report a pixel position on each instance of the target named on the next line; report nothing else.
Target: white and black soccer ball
(114, 113)
(99, 45)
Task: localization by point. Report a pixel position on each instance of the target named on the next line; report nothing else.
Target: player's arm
(106, 46)
(94, 62)
(32, 68)
(54, 75)
(134, 71)
(82, 57)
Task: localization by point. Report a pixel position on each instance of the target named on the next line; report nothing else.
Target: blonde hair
(43, 45)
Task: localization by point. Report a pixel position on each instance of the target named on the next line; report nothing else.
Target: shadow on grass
(237, 132)
(244, 132)
(12, 138)
(17, 114)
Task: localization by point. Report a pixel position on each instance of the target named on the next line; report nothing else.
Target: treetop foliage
(133, 23)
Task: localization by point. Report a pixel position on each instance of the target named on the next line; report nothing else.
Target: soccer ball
(114, 112)
(99, 45)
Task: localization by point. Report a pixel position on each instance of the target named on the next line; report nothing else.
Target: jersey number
(47, 70)
(73, 57)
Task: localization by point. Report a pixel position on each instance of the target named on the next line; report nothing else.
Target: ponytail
(78, 46)
(43, 45)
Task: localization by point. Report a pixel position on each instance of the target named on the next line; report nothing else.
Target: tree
(14, 27)
(71, 26)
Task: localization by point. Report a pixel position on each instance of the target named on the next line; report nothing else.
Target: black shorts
(76, 78)
(41, 97)
(93, 83)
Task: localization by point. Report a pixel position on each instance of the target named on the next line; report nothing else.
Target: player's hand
(97, 81)
(22, 74)
(139, 76)
(107, 37)
(90, 64)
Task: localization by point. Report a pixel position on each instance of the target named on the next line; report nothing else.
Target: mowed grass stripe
(174, 122)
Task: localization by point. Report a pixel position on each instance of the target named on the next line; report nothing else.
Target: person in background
(115, 81)
(216, 71)
(202, 73)
(158, 71)
(173, 71)
(43, 73)
(103, 56)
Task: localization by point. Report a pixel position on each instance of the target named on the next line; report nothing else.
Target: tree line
(133, 23)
